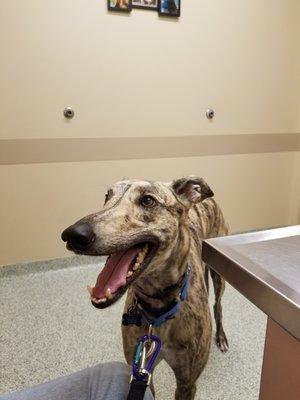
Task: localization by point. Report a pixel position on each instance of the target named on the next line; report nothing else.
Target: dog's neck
(162, 287)
(161, 299)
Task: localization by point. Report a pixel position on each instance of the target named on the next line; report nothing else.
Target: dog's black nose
(78, 235)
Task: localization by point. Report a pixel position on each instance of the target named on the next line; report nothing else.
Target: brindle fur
(184, 215)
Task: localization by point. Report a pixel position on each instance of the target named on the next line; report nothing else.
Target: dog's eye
(148, 201)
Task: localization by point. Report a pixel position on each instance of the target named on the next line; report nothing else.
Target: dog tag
(132, 319)
(133, 316)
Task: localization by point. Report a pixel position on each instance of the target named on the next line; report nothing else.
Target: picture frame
(169, 8)
(119, 5)
(145, 4)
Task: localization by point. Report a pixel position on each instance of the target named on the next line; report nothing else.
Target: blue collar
(173, 308)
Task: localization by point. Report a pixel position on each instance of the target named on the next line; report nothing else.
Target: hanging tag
(132, 317)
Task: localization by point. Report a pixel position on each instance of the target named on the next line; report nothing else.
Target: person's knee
(111, 369)
(117, 365)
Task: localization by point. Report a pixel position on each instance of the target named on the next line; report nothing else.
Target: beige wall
(141, 75)
(295, 198)
(254, 191)
(295, 195)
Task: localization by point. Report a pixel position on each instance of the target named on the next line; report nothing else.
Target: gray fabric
(103, 382)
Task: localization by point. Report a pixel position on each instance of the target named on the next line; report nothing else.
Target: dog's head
(137, 229)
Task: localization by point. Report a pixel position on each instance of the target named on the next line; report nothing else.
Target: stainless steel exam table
(265, 267)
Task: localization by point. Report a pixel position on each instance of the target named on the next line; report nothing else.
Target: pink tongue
(114, 273)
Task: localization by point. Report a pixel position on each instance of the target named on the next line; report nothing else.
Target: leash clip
(144, 358)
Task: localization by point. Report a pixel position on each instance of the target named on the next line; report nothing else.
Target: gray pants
(103, 382)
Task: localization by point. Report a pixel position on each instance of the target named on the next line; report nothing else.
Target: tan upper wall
(142, 75)
(297, 75)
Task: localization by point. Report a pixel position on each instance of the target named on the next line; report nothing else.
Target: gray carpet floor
(49, 328)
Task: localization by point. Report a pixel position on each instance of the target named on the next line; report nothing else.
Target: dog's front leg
(187, 353)
(184, 391)
(187, 368)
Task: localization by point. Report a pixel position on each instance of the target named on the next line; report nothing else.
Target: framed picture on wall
(145, 4)
(119, 5)
(169, 8)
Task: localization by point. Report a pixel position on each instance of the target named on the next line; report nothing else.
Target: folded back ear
(192, 189)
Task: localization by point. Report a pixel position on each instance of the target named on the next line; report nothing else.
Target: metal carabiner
(142, 364)
(144, 360)
(150, 330)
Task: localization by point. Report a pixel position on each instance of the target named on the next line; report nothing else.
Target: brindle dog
(164, 223)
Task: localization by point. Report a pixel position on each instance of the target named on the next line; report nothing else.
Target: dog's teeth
(108, 294)
(90, 290)
(129, 273)
(102, 300)
(136, 266)
(94, 299)
(140, 258)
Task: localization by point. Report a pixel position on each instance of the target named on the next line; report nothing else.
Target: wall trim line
(30, 151)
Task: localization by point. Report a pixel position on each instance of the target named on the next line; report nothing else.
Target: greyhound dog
(151, 232)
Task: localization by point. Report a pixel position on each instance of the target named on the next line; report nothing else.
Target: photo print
(145, 4)
(169, 8)
(120, 5)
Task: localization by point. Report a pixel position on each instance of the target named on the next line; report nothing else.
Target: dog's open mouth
(120, 270)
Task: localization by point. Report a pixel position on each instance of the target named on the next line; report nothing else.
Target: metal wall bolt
(210, 113)
(69, 112)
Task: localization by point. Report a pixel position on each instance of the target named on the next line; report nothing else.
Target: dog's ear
(192, 189)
